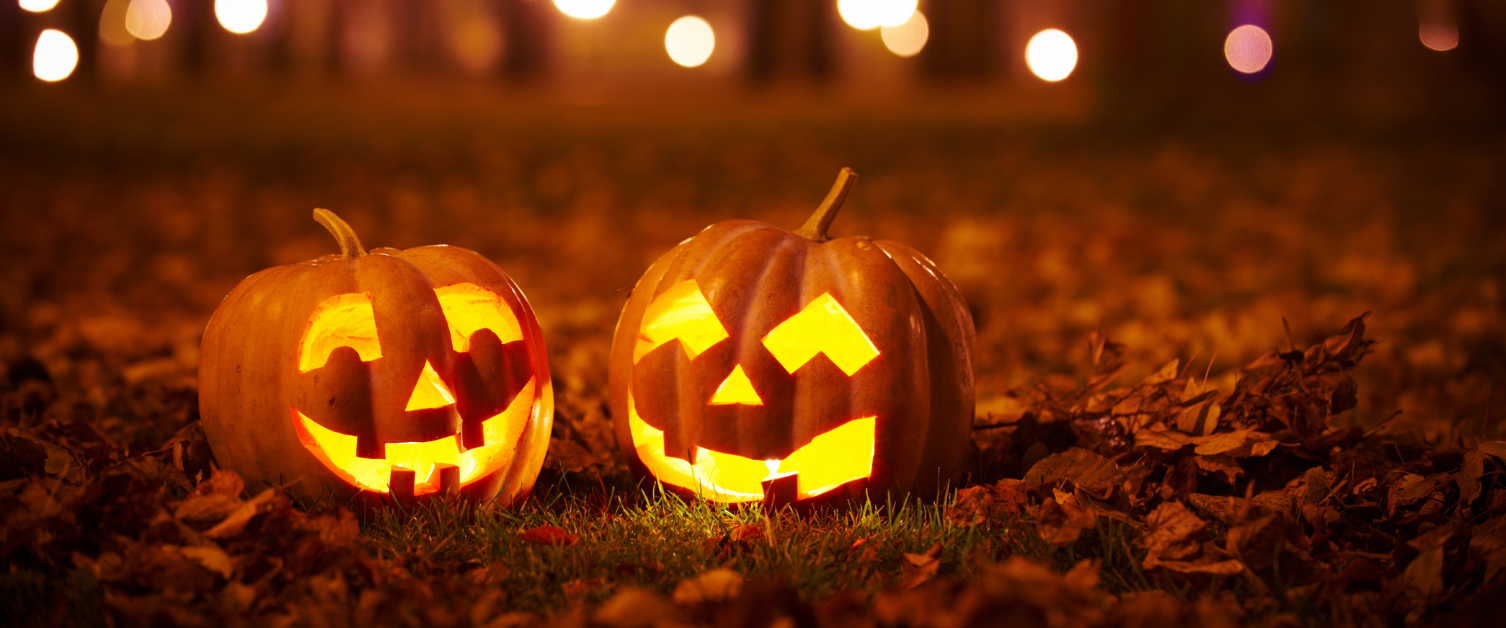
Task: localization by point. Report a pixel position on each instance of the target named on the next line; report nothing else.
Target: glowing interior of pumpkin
(839, 456)
(349, 320)
(830, 460)
(338, 451)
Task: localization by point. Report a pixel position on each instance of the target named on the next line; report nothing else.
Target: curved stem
(350, 245)
(815, 227)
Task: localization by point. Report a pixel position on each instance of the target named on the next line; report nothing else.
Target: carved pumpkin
(755, 364)
(391, 374)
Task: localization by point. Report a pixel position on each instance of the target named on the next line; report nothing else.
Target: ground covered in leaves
(1225, 376)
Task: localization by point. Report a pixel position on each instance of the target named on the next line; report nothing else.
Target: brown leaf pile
(1268, 484)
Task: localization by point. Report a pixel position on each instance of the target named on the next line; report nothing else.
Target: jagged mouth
(421, 468)
(841, 455)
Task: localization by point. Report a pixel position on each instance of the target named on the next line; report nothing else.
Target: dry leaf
(243, 514)
(1085, 469)
(918, 569)
(717, 585)
(635, 608)
(549, 535)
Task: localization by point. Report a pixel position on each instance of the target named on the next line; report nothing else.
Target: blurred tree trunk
(1482, 38)
(527, 34)
(790, 38)
(200, 26)
(15, 40)
(81, 22)
(965, 38)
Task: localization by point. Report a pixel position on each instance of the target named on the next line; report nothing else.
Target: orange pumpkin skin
(914, 381)
(276, 396)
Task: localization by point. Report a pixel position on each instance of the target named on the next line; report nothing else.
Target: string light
(55, 56)
(38, 6)
(1051, 55)
(584, 9)
(689, 41)
(907, 40)
(240, 16)
(870, 14)
(1248, 49)
(148, 19)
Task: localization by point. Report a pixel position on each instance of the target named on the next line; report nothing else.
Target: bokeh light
(240, 16)
(870, 14)
(55, 56)
(148, 19)
(38, 6)
(689, 41)
(584, 9)
(1248, 49)
(907, 40)
(112, 23)
(1051, 55)
(1438, 34)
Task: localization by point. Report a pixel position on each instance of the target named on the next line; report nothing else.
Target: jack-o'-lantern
(752, 364)
(393, 375)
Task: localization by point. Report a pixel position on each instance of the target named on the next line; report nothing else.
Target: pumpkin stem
(815, 227)
(350, 245)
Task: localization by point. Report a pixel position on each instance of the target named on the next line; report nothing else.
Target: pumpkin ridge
(784, 264)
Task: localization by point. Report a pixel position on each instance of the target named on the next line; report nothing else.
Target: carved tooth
(449, 478)
(780, 490)
(401, 483)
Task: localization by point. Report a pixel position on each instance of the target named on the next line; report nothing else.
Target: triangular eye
(736, 389)
(430, 392)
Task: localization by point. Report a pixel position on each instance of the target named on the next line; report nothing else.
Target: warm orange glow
(737, 388)
(469, 308)
(430, 391)
(839, 456)
(343, 320)
(240, 16)
(501, 432)
(908, 39)
(689, 41)
(1248, 49)
(681, 312)
(1051, 55)
(822, 327)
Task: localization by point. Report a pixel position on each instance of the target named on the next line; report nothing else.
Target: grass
(651, 539)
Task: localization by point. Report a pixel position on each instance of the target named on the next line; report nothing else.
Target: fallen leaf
(243, 514)
(635, 608)
(1160, 438)
(1063, 521)
(977, 504)
(918, 569)
(1495, 448)
(549, 535)
(214, 558)
(717, 585)
(1085, 469)
(206, 508)
(581, 586)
